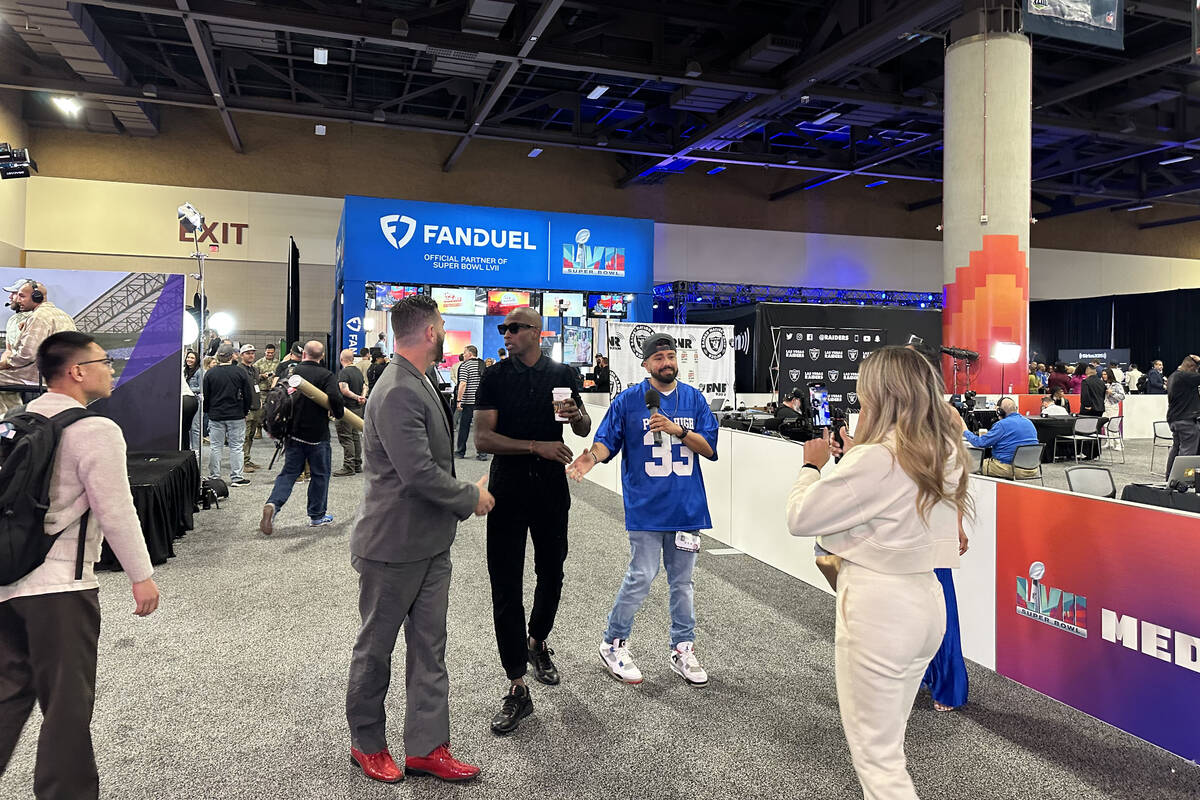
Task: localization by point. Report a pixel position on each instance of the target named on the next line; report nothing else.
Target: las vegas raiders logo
(852, 397)
(852, 355)
(833, 375)
(814, 353)
(794, 374)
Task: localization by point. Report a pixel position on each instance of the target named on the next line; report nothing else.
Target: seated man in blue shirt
(1010, 432)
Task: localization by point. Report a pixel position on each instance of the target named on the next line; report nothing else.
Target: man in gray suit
(400, 548)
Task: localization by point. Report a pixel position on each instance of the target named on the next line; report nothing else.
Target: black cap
(297, 350)
(657, 342)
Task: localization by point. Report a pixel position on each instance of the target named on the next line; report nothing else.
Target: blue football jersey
(663, 487)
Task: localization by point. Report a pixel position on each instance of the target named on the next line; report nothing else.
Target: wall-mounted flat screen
(502, 302)
(387, 295)
(458, 300)
(609, 306)
(577, 344)
(572, 304)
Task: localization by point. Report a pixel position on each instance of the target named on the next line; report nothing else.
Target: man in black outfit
(1183, 409)
(794, 406)
(1091, 394)
(309, 442)
(350, 383)
(1155, 384)
(227, 397)
(515, 420)
(379, 363)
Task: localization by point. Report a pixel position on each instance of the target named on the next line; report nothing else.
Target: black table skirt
(1163, 498)
(164, 487)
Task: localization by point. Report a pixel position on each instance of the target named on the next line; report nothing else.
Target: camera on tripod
(964, 404)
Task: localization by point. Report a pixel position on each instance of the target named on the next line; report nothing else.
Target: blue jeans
(220, 433)
(318, 458)
(646, 547)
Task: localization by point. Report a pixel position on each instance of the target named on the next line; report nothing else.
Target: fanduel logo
(389, 224)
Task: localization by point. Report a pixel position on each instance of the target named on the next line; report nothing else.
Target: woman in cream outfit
(892, 510)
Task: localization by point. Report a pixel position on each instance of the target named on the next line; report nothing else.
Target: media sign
(412, 242)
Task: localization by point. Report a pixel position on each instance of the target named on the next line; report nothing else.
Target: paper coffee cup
(560, 394)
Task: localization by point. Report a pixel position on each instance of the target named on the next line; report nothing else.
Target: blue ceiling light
(874, 184)
(717, 169)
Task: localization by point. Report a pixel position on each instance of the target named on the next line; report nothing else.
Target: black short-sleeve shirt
(523, 399)
(353, 378)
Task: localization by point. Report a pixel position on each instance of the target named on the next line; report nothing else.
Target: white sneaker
(616, 658)
(687, 666)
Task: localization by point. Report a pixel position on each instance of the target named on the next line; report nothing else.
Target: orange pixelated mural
(988, 303)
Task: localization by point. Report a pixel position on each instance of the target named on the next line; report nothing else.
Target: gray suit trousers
(390, 594)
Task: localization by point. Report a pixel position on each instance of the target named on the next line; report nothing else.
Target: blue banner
(413, 242)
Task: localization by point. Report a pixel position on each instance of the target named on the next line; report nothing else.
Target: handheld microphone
(653, 402)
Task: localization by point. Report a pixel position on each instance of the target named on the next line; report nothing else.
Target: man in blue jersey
(665, 504)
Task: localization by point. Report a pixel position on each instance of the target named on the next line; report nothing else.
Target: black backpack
(28, 444)
(280, 410)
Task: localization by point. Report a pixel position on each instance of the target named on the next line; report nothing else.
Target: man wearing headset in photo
(1010, 432)
(18, 365)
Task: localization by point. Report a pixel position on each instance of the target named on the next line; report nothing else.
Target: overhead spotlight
(190, 219)
(533, 38)
(320, 55)
(692, 70)
(319, 130)
(597, 92)
(68, 105)
(399, 27)
(534, 152)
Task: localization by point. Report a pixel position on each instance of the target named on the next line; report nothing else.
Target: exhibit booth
(1066, 608)
(480, 263)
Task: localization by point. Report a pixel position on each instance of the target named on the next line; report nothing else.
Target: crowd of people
(887, 523)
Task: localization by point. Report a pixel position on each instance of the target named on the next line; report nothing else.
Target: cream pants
(888, 629)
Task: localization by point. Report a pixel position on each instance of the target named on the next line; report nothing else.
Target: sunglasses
(108, 362)
(513, 327)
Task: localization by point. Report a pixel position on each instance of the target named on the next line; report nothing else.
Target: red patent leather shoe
(440, 764)
(377, 766)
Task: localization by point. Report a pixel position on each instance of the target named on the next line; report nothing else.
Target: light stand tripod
(193, 220)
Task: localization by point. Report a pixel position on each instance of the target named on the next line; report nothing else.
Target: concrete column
(985, 203)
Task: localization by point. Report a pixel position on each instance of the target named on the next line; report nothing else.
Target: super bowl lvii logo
(1050, 605)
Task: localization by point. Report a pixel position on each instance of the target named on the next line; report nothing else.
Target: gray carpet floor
(235, 687)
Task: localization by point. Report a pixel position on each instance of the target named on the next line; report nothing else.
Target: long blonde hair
(901, 396)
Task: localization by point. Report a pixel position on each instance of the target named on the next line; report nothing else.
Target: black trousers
(540, 512)
(48, 654)
(465, 416)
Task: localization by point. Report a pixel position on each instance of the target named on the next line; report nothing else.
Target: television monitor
(577, 344)
(387, 295)
(502, 302)
(609, 306)
(573, 304)
(455, 300)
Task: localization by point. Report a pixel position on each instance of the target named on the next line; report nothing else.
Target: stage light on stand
(1005, 353)
(191, 329)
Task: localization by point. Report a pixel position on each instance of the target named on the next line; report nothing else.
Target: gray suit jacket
(413, 502)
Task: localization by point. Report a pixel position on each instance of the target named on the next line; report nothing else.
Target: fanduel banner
(705, 354)
(411, 242)
(825, 355)
(1080, 620)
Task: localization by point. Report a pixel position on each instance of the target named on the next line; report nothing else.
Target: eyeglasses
(108, 362)
(513, 327)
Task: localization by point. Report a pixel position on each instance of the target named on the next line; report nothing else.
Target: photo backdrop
(705, 355)
(138, 318)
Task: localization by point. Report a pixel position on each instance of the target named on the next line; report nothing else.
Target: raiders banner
(705, 354)
(824, 355)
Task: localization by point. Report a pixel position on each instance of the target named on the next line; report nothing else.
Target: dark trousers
(1186, 440)
(350, 438)
(465, 416)
(48, 654)
(253, 429)
(545, 520)
(294, 457)
(414, 594)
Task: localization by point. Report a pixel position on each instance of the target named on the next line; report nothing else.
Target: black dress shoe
(517, 706)
(543, 668)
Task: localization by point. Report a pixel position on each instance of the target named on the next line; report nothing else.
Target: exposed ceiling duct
(487, 17)
(768, 53)
(57, 30)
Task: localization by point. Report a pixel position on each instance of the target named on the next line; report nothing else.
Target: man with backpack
(50, 610)
(305, 438)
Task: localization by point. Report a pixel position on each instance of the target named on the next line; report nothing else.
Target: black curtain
(1159, 325)
(292, 332)
(1085, 323)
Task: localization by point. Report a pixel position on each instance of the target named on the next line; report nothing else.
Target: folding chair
(975, 454)
(1029, 456)
(1086, 430)
(1114, 433)
(1162, 433)
(1096, 481)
